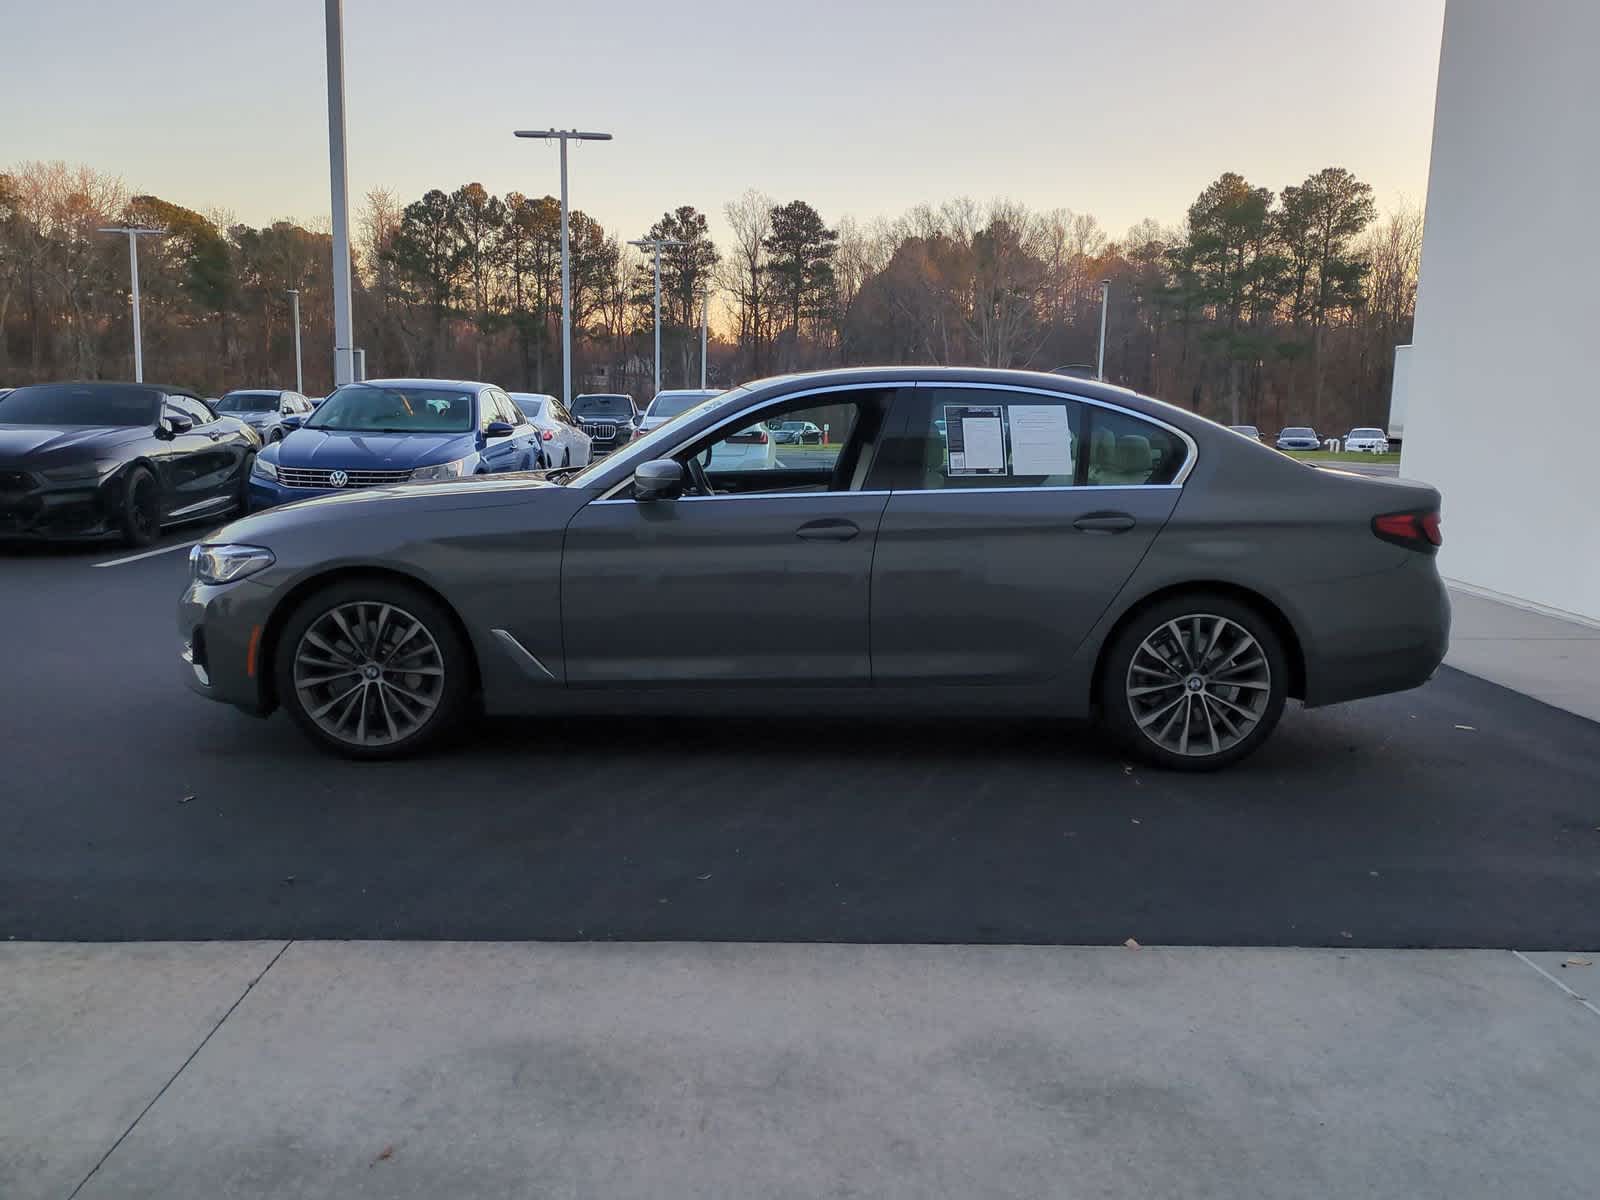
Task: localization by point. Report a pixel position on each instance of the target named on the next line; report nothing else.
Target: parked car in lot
(796, 433)
(271, 412)
(561, 442)
(1366, 440)
(609, 418)
(1064, 547)
(669, 404)
(90, 460)
(1299, 437)
(388, 431)
(1249, 431)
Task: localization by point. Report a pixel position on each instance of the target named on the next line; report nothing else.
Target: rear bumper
(1373, 634)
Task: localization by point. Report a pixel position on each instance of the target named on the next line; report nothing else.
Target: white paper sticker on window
(975, 439)
(1041, 443)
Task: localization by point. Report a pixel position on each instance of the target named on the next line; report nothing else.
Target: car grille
(298, 477)
(601, 433)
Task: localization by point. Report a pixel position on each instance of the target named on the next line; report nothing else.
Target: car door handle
(828, 531)
(1104, 523)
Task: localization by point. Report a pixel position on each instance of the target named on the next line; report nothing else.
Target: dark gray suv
(987, 540)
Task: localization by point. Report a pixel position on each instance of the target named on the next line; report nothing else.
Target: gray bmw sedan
(960, 540)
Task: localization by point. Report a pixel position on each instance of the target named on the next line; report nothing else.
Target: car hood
(328, 449)
(391, 503)
(31, 445)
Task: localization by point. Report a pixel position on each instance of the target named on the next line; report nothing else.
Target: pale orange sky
(863, 108)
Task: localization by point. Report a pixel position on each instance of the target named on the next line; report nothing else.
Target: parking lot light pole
(294, 303)
(1105, 293)
(134, 233)
(655, 244)
(343, 334)
(565, 135)
(705, 306)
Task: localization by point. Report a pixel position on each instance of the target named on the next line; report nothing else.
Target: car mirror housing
(173, 425)
(659, 479)
(498, 429)
(293, 422)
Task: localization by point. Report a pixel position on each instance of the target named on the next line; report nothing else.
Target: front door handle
(832, 530)
(1108, 522)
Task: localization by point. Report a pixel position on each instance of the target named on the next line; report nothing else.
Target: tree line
(1258, 307)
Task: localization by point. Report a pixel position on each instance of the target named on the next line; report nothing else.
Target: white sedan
(561, 442)
(748, 450)
(1366, 441)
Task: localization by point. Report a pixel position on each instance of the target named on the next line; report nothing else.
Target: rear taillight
(548, 435)
(1414, 530)
(750, 437)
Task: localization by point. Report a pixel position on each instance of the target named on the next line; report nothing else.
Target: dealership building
(1500, 391)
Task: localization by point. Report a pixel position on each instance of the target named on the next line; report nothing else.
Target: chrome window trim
(952, 385)
(748, 496)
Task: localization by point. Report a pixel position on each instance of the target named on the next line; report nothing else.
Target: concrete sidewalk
(449, 1069)
(1548, 657)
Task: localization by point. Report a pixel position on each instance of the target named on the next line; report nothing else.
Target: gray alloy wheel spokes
(1198, 685)
(368, 673)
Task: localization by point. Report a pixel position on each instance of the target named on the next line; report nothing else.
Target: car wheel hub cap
(1198, 685)
(368, 673)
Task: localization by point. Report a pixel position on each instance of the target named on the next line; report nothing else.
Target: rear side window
(954, 438)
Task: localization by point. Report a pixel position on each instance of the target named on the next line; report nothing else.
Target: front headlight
(262, 469)
(79, 471)
(449, 470)
(226, 562)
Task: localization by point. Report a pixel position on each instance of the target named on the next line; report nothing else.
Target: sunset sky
(1124, 110)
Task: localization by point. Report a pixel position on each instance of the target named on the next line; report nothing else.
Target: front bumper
(34, 509)
(220, 643)
(265, 493)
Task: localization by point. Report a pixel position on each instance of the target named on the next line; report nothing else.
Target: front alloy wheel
(371, 671)
(1195, 684)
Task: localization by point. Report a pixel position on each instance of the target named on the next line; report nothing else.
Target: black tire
(455, 685)
(141, 508)
(244, 483)
(274, 437)
(1208, 709)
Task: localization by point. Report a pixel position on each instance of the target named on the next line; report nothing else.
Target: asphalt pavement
(1459, 815)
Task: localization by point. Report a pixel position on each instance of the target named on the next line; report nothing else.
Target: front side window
(759, 447)
(373, 408)
(189, 407)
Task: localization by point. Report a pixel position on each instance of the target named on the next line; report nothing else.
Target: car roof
(417, 383)
(249, 391)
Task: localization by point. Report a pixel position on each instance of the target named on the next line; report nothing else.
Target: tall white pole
(566, 289)
(138, 339)
(299, 377)
(1105, 291)
(705, 305)
(343, 336)
(658, 318)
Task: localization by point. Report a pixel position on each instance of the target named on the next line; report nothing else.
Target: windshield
(670, 404)
(658, 439)
(1297, 432)
(378, 408)
(80, 404)
(603, 406)
(531, 405)
(1366, 433)
(247, 402)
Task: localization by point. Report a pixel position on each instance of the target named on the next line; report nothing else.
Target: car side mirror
(175, 424)
(498, 429)
(293, 421)
(659, 479)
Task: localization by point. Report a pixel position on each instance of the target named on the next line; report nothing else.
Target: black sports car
(88, 460)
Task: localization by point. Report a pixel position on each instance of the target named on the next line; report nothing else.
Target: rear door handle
(830, 530)
(1104, 523)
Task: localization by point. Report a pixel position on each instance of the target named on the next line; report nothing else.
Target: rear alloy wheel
(372, 669)
(141, 508)
(1195, 682)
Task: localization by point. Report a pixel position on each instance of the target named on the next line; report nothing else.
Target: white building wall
(1503, 399)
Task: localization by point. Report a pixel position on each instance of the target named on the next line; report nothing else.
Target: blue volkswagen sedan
(388, 431)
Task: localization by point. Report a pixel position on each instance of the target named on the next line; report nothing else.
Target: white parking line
(117, 562)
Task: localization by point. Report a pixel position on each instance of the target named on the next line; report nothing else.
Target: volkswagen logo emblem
(337, 479)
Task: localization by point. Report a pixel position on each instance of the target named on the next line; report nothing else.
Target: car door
(497, 453)
(576, 440)
(763, 580)
(1016, 517)
(188, 461)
